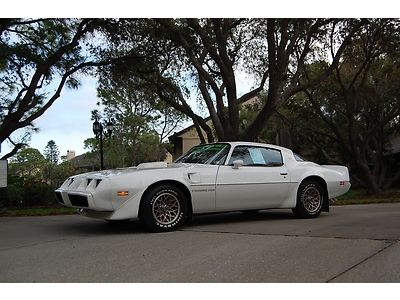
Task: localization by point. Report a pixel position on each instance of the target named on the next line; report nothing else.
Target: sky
(67, 121)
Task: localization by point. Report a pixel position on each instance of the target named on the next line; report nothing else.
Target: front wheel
(310, 198)
(164, 208)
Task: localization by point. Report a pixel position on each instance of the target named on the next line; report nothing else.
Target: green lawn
(38, 211)
(359, 196)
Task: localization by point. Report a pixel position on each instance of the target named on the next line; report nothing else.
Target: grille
(59, 197)
(78, 200)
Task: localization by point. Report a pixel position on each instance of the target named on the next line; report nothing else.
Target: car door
(261, 182)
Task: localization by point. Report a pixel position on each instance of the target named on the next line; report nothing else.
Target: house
(395, 145)
(86, 162)
(90, 161)
(188, 137)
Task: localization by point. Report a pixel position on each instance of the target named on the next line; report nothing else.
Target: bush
(11, 196)
(38, 193)
(22, 192)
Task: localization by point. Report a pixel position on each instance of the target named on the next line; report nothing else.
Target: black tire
(163, 208)
(310, 198)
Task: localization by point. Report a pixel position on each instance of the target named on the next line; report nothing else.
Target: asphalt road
(357, 243)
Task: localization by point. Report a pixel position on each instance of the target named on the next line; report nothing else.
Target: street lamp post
(98, 130)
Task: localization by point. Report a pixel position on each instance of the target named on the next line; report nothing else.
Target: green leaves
(38, 58)
(51, 152)
(27, 162)
(351, 117)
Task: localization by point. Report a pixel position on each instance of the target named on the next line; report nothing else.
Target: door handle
(283, 173)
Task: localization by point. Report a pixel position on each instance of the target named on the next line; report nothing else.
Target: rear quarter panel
(336, 177)
(299, 171)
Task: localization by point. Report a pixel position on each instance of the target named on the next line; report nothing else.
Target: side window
(241, 152)
(256, 156)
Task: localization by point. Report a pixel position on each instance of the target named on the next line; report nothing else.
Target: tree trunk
(368, 179)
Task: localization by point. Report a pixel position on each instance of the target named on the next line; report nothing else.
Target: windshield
(213, 154)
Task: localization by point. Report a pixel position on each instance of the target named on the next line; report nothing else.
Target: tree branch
(17, 147)
(57, 93)
(254, 92)
(312, 82)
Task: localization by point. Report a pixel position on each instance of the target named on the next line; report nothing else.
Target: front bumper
(92, 206)
(77, 199)
(89, 192)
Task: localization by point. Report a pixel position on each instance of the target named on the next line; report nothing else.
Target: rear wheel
(310, 198)
(163, 208)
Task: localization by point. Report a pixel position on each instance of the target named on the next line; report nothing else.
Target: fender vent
(78, 200)
(59, 197)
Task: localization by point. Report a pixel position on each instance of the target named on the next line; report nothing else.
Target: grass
(360, 196)
(38, 211)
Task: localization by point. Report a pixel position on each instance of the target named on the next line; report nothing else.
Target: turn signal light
(123, 193)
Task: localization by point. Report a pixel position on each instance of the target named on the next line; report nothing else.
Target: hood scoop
(152, 165)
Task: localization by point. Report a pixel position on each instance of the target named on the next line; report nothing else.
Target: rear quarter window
(298, 157)
(273, 157)
(257, 156)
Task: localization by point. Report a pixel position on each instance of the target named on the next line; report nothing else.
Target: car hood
(139, 169)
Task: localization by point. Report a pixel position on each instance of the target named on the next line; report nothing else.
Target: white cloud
(67, 121)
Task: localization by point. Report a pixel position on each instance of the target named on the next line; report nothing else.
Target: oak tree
(351, 118)
(38, 57)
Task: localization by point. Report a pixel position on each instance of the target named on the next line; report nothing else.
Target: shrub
(22, 192)
(38, 193)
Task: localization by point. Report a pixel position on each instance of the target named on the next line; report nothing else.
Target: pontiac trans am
(217, 177)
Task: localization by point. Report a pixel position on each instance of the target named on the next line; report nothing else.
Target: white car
(218, 177)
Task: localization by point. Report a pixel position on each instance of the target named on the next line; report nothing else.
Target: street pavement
(358, 243)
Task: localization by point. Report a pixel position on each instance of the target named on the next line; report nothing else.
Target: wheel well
(179, 185)
(322, 182)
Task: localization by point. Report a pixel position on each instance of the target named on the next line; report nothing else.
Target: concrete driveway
(358, 243)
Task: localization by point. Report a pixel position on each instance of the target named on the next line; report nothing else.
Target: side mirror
(237, 163)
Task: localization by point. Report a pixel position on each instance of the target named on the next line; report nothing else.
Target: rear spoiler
(344, 171)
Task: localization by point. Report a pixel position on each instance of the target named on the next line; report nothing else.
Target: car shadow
(237, 217)
(87, 226)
